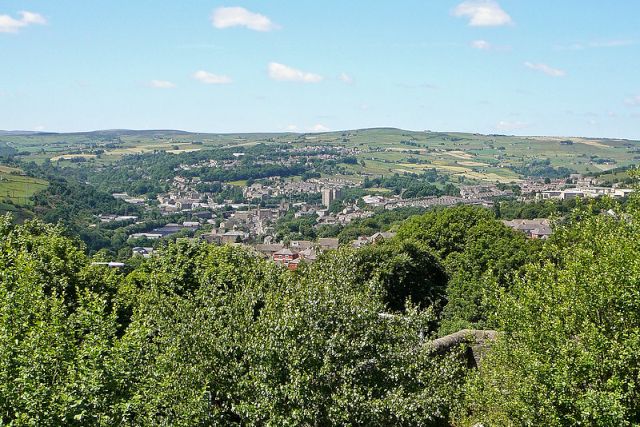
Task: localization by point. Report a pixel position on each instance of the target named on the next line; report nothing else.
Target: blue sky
(540, 67)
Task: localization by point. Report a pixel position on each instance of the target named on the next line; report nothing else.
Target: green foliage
(382, 220)
(444, 230)
(406, 270)
(478, 252)
(414, 185)
(209, 335)
(571, 333)
(542, 168)
(491, 258)
(206, 335)
(290, 228)
(56, 331)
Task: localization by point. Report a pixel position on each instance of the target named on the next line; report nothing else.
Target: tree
(492, 257)
(57, 325)
(407, 270)
(570, 333)
(445, 230)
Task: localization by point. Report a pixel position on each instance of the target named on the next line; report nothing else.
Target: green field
(18, 189)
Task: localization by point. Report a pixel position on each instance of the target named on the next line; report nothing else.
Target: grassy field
(383, 150)
(18, 189)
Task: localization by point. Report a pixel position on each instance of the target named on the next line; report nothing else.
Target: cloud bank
(483, 13)
(9, 24)
(283, 72)
(544, 68)
(227, 17)
(210, 78)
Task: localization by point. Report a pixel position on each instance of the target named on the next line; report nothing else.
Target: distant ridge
(19, 132)
(99, 132)
(111, 133)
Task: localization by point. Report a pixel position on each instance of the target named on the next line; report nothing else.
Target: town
(252, 220)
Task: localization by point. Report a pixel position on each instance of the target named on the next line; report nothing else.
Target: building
(329, 195)
(327, 243)
(300, 245)
(534, 228)
(268, 249)
(145, 252)
(233, 237)
(286, 257)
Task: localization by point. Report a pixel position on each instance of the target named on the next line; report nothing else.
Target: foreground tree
(568, 354)
(407, 270)
(248, 343)
(57, 326)
(478, 254)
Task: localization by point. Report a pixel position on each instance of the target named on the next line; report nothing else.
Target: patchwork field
(380, 151)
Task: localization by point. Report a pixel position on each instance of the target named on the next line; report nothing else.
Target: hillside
(380, 151)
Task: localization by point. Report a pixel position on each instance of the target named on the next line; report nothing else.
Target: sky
(523, 67)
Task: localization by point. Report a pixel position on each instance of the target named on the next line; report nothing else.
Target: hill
(379, 151)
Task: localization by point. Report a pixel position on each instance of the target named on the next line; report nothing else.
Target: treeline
(7, 151)
(542, 169)
(247, 170)
(150, 173)
(414, 185)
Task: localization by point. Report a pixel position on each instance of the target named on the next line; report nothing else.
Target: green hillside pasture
(18, 189)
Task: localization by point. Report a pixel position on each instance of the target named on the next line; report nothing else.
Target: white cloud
(597, 44)
(612, 43)
(633, 101)
(481, 45)
(227, 17)
(483, 13)
(161, 84)
(544, 68)
(346, 78)
(13, 25)
(319, 128)
(283, 72)
(485, 45)
(210, 78)
(32, 18)
(291, 128)
(504, 125)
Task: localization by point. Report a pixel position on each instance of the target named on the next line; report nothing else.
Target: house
(308, 255)
(326, 243)
(378, 237)
(202, 214)
(285, 256)
(233, 237)
(184, 204)
(299, 245)
(293, 264)
(150, 236)
(360, 242)
(214, 237)
(534, 228)
(268, 249)
(381, 236)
